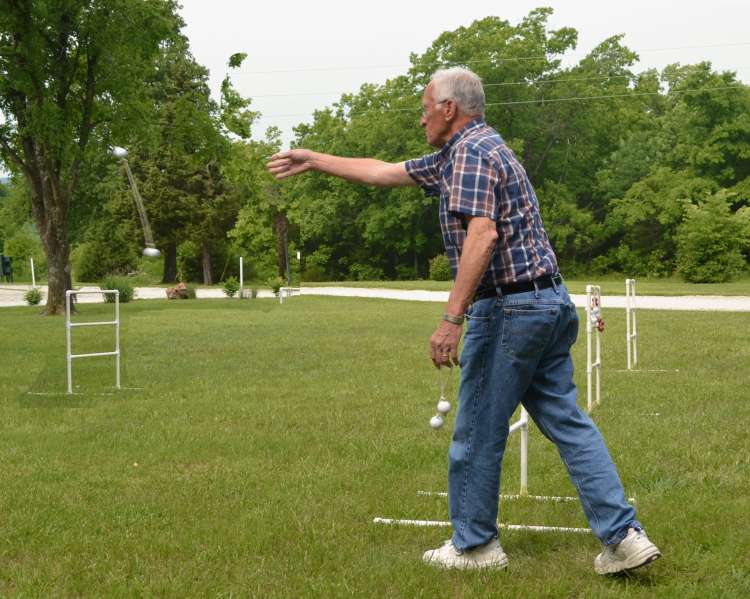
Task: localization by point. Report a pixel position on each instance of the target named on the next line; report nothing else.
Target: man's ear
(451, 110)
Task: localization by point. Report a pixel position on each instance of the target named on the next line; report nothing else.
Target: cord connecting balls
(443, 405)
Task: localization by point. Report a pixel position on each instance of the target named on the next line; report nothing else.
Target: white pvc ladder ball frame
(522, 425)
(69, 325)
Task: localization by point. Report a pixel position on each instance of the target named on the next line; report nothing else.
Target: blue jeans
(517, 349)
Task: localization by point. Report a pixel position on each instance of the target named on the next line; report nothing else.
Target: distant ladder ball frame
(69, 325)
(288, 292)
(593, 345)
(631, 332)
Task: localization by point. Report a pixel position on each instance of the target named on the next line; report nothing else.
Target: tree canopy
(635, 171)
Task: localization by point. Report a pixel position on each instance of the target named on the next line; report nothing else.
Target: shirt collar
(462, 132)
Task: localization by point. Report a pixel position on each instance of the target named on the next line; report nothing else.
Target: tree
(181, 162)
(648, 216)
(262, 220)
(711, 241)
(71, 72)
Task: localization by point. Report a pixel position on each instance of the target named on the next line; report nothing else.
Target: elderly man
(521, 325)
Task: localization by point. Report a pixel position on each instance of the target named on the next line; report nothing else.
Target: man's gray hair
(462, 86)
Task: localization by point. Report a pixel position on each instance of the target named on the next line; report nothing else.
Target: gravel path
(12, 295)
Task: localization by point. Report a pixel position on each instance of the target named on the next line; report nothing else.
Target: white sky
(351, 43)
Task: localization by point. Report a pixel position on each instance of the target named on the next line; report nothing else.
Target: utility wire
(485, 60)
(485, 85)
(542, 101)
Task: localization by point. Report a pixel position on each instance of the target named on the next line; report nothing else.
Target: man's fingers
(283, 168)
(281, 155)
(454, 356)
(278, 164)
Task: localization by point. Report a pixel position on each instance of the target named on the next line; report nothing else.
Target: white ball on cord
(151, 252)
(444, 406)
(119, 152)
(436, 421)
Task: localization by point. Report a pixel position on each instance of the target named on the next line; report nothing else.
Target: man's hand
(444, 344)
(292, 162)
(357, 170)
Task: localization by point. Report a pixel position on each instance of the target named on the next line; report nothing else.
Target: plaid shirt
(476, 174)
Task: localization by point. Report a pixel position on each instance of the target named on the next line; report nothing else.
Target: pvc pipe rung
(111, 353)
(75, 292)
(531, 527)
(93, 324)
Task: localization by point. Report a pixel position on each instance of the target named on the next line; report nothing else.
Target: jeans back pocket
(528, 328)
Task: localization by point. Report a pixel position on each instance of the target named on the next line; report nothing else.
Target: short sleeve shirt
(477, 174)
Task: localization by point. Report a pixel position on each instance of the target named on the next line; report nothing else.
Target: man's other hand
(444, 344)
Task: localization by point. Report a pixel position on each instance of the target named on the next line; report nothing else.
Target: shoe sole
(497, 565)
(645, 557)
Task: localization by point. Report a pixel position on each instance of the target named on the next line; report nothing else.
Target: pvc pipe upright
(117, 338)
(524, 453)
(589, 369)
(593, 311)
(33, 277)
(68, 357)
(631, 333)
(635, 332)
(242, 278)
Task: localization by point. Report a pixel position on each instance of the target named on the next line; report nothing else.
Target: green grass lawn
(610, 284)
(263, 438)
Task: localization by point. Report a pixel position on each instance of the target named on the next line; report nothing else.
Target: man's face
(433, 118)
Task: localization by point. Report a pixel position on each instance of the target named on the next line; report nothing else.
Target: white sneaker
(490, 555)
(634, 551)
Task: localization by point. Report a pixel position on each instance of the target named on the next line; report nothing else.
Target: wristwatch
(453, 319)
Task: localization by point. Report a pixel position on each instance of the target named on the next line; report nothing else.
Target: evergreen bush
(33, 296)
(122, 285)
(440, 268)
(231, 287)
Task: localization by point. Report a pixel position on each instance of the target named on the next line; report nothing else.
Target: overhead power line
(482, 61)
(485, 85)
(541, 101)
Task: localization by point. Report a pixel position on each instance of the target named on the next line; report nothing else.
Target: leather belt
(520, 287)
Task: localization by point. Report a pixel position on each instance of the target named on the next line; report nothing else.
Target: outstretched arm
(358, 170)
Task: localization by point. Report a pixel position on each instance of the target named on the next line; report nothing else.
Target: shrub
(710, 243)
(405, 273)
(99, 258)
(231, 287)
(314, 272)
(33, 296)
(365, 272)
(122, 285)
(440, 268)
(25, 244)
(275, 283)
(189, 261)
(254, 292)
